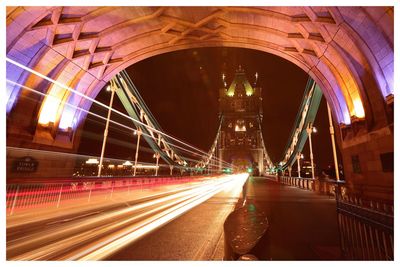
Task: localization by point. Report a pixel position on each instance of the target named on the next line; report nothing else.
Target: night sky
(181, 90)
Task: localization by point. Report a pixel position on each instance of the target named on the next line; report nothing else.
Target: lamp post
(157, 156)
(137, 132)
(332, 133)
(310, 130)
(112, 89)
(298, 156)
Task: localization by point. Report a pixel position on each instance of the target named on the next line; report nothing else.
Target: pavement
(302, 224)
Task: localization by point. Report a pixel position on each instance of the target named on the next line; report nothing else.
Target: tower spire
(223, 80)
(256, 79)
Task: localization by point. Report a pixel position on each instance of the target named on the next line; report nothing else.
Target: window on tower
(240, 126)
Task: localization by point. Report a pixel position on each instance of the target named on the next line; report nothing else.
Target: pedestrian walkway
(303, 224)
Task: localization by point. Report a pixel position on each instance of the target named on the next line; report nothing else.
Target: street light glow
(92, 161)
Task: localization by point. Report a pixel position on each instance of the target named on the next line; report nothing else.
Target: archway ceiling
(347, 50)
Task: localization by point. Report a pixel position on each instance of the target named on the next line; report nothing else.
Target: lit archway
(347, 50)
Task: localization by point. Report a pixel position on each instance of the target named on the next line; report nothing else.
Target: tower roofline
(240, 78)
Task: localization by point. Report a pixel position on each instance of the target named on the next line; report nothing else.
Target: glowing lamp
(49, 111)
(358, 109)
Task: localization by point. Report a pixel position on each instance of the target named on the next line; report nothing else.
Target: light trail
(64, 102)
(50, 235)
(101, 235)
(99, 103)
(130, 235)
(179, 185)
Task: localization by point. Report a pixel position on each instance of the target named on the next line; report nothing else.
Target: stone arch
(347, 50)
(313, 30)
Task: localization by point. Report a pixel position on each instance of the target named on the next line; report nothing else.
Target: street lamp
(332, 133)
(310, 130)
(110, 87)
(314, 130)
(298, 156)
(137, 132)
(157, 157)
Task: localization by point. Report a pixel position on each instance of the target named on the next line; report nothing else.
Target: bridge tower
(240, 110)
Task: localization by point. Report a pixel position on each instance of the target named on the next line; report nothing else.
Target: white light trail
(103, 234)
(99, 103)
(112, 121)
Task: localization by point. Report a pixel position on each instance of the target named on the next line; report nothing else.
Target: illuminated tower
(240, 107)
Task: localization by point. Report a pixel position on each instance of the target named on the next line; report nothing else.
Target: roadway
(107, 228)
(177, 222)
(196, 235)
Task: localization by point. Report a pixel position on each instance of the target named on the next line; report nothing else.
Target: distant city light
(146, 166)
(92, 161)
(127, 163)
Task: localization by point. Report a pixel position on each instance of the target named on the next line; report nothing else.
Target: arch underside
(348, 51)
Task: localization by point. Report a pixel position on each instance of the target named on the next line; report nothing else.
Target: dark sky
(181, 90)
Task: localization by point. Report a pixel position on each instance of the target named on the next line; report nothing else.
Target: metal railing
(326, 187)
(55, 194)
(365, 225)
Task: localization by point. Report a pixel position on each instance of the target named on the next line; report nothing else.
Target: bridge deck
(303, 224)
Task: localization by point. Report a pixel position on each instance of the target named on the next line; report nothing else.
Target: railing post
(112, 189)
(14, 201)
(59, 196)
(90, 193)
